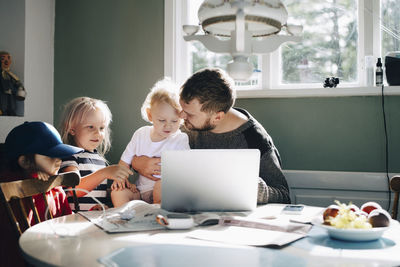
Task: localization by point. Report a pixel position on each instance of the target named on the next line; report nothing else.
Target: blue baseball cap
(37, 137)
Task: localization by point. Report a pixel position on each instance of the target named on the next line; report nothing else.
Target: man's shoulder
(244, 112)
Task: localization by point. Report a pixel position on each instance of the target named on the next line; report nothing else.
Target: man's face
(5, 61)
(194, 118)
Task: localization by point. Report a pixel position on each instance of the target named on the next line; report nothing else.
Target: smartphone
(293, 209)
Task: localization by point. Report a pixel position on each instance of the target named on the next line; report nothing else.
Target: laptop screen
(210, 180)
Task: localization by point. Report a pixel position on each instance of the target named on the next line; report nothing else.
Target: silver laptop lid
(210, 179)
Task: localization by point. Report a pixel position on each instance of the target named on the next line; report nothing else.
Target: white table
(85, 243)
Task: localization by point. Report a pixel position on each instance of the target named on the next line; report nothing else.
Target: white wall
(37, 71)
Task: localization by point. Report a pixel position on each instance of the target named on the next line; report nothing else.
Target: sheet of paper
(244, 236)
(278, 224)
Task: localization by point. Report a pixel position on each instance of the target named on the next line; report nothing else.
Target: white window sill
(318, 92)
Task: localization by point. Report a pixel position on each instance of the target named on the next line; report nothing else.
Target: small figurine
(11, 88)
(331, 82)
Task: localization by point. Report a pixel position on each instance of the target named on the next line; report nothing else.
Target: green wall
(336, 133)
(113, 50)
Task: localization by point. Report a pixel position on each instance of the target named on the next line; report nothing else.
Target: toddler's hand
(132, 187)
(119, 185)
(117, 172)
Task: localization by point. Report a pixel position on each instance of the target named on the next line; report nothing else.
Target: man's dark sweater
(272, 185)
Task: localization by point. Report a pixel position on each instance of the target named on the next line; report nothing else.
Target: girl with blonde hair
(85, 123)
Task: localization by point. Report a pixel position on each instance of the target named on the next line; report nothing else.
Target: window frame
(177, 67)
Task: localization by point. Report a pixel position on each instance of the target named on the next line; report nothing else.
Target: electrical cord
(64, 232)
(386, 148)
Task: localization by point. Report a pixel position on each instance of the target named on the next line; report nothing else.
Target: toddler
(86, 123)
(161, 108)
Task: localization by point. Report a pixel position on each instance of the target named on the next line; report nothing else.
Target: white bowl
(354, 234)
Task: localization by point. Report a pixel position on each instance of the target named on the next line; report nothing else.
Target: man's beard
(207, 126)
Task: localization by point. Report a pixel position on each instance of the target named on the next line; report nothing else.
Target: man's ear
(23, 162)
(217, 117)
(148, 111)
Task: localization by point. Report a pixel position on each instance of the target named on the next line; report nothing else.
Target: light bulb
(240, 69)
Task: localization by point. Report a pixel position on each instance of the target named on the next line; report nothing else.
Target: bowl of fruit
(350, 223)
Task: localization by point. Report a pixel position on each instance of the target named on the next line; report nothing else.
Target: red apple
(370, 206)
(330, 212)
(379, 218)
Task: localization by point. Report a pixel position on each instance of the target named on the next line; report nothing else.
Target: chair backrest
(22, 190)
(395, 186)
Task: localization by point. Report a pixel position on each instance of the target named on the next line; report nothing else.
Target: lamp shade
(262, 17)
(251, 27)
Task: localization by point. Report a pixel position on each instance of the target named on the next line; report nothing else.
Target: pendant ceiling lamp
(242, 28)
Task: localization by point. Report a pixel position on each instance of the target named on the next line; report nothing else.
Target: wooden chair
(19, 191)
(395, 186)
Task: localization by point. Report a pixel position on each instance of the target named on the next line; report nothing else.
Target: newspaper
(135, 215)
(138, 215)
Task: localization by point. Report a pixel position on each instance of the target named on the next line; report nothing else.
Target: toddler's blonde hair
(74, 113)
(164, 91)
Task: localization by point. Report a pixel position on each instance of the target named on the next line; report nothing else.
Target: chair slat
(11, 215)
(395, 205)
(23, 212)
(76, 202)
(395, 186)
(36, 216)
(46, 203)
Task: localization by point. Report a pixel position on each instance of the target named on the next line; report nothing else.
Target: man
(211, 122)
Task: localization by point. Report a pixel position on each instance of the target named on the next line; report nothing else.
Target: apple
(370, 206)
(330, 212)
(379, 218)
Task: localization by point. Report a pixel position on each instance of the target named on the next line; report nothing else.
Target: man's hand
(147, 166)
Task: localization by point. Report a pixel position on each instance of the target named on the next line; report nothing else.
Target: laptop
(210, 180)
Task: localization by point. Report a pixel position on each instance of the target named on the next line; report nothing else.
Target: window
(337, 36)
(200, 57)
(390, 26)
(329, 46)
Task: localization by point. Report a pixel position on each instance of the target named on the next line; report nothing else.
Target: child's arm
(91, 181)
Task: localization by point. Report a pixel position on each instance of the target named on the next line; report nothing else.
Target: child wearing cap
(86, 123)
(32, 150)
